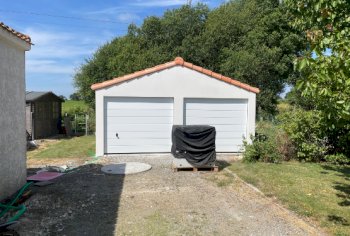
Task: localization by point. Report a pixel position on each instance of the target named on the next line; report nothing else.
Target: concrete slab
(126, 168)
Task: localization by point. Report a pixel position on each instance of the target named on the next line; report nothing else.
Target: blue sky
(67, 32)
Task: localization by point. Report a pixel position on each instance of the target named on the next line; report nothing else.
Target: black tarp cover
(195, 143)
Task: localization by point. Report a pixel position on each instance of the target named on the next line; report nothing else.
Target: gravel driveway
(156, 202)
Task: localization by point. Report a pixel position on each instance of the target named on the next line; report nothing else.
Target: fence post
(32, 121)
(86, 124)
(75, 124)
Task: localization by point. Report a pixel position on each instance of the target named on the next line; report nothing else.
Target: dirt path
(157, 202)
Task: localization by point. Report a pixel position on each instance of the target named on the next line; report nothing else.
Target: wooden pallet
(196, 169)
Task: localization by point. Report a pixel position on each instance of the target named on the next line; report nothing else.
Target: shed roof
(177, 62)
(32, 96)
(23, 37)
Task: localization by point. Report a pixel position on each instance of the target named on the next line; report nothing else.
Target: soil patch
(157, 202)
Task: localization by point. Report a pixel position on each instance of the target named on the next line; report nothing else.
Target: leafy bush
(337, 159)
(74, 107)
(285, 146)
(76, 111)
(306, 132)
(298, 134)
(270, 144)
(260, 150)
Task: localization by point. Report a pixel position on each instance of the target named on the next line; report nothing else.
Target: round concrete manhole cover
(126, 168)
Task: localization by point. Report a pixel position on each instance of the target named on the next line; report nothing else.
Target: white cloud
(109, 11)
(159, 3)
(48, 67)
(165, 3)
(118, 14)
(46, 37)
(128, 17)
(59, 45)
(57, 54)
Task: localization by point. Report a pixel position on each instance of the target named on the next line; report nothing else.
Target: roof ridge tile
(19, 35)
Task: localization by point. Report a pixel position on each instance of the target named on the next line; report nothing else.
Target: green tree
(62, 97)
(325, 64)
(261, 49)
(248, 40)
(157, 41)
(74, 96)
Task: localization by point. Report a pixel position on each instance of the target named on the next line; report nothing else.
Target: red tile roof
(177, 62)
(24, 37)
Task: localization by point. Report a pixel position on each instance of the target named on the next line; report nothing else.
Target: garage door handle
(116, 134)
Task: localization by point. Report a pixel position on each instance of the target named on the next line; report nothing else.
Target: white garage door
(135, 125)
(228, 116)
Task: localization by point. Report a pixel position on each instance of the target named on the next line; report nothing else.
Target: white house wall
(177, 82)
(12, 117)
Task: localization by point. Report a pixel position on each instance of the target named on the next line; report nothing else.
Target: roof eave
(23, 37)
(177, 62)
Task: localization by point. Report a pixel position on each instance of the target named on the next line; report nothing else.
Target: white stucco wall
(12, 116)
(177, 82)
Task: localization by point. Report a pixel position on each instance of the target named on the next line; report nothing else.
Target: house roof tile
(177, 62)
(21, 36)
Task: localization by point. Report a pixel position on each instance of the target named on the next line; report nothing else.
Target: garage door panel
(142, 124)
(139, 127)
(214, 106)
(233, 141)
(139, 148)
(228, 116)
(230, 135)
(229, 148)
(138, 134)
(143, 120)
(216, 120)
(138, 141)
(213, 113)
(217, 100)
(140, 112)
(231, 128)
(140, 104)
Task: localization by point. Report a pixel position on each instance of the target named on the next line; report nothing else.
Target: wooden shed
(43, 114)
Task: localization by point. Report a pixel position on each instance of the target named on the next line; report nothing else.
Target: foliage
(158, 40)
(77, 110)
(74, 107)
(270, 144)
(262, 51)
(295, 134)
(62, 97)
(325, 65)
(337, 159)
(315, 190)
(248, 40)
(305, 130)
(75, 97)
(295, 98)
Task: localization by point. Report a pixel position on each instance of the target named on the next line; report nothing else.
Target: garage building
(135, 113)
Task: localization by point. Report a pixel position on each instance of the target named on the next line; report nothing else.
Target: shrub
(261, 149)
(306, 132)
(270, 144)
(76, 111)
(285, 146)
(337, 159)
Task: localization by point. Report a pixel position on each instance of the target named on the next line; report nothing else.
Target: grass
(77, 147)
(156, 225)
(71, 105)
(319, 191)
(222, 180)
